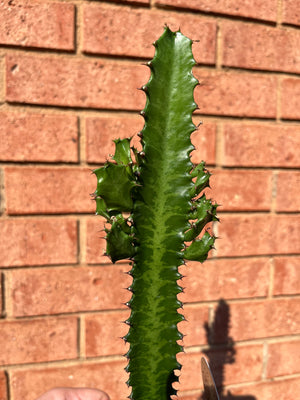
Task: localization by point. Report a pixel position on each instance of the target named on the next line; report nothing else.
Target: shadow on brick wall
(221, 350)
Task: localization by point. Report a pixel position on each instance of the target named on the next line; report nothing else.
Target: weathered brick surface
(142, 2)
(94, 84)
(66, 289)
(287, 275)
(288, 198)
(193, 328)
(278, 363)
(245, 320)
(104, 332)
(250, 356)
(237, 94)
(34, 24)
(49, 190)
(261, 145)
(108, 376)
(69, 74)
(227, 279)
(259, 319)
(38, 340)
(38, 137)
(1, 294)
(290, 98)
(259, 47)
(100, 132)
(291, 12)
(239, 190)
(204, 140)
(258, 9)
(3, 386)
(95, 242)
(75, 82)
(283, 389)
(37, 242)
(2, 83)
(242, 235)
(125, 31)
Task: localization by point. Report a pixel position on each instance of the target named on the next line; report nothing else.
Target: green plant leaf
(202, 178)
(119, 240)
(101, 208)
(115, 186)
(198, 250)
(204, 213)
(122, 151)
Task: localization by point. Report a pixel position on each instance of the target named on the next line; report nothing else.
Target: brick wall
(69, 71)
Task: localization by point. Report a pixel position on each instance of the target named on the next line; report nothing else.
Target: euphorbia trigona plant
(155, 208)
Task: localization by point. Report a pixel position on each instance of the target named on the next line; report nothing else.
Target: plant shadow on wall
(221, 350)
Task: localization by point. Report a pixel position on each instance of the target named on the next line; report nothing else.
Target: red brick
(280, 389)
(75, 83)
(3, 386)
(246, 367)
(278, 362)
(236, 94)
(258, 9)
(287, 276)
(242, 235)
(100, 132)
(261, 319)
(1, 298)
(38, 340)
(104, 332)
(131, 1)
(95, 242)
(204, 139)
(49, 190)
(97, 86)
(226, 279)
(241, 190)
(33, 24)
(66, 289)
(261, 145)
(260, 47)
(193, 327)
(131, 32)
(290, 98)
(291, 12)
(37, 241)
(288, 198)
(2, 83)
(38, 137)
(109, 376)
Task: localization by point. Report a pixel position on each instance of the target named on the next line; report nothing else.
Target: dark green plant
(154, 205)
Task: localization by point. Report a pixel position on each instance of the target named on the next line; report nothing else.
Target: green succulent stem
(160, 216)
(161, 191)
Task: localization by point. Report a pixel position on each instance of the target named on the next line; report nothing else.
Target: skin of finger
(74, 394)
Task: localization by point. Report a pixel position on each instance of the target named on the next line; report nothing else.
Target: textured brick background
(69, 73)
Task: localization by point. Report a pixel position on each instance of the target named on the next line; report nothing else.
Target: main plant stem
(160, 217)
(162, 193)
